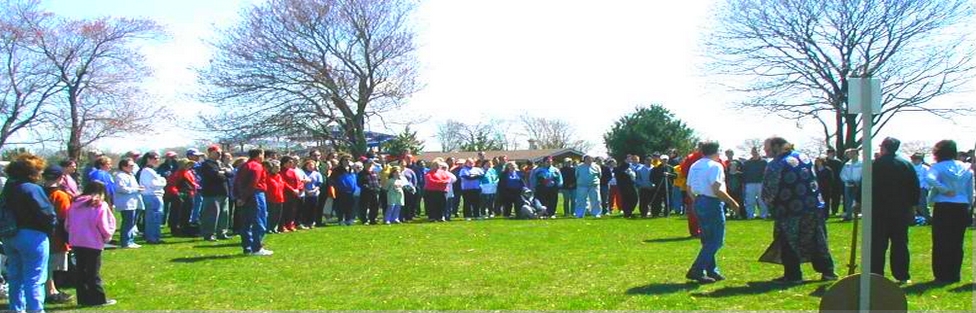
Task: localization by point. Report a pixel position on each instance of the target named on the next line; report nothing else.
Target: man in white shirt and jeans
(706, 182)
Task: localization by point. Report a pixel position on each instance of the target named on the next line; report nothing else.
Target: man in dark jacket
(213, 190)
(568, 172)
(895, 191)
(835, 165)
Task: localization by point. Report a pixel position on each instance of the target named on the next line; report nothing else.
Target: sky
(589, 64)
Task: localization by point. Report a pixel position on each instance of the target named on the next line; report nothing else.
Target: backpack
(8, 219)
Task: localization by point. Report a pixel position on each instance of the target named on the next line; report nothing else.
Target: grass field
(563, 264)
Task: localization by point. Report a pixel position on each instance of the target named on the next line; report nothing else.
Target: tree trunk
(74, 135)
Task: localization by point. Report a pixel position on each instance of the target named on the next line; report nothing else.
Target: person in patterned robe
(799, 233)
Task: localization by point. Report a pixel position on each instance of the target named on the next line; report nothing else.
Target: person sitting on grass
(90, 224)
(531, 207)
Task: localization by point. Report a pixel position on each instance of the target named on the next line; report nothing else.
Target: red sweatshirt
(250, 179)
(276, 188)
(437, 180)
(687, 163)
(181, 180)
(292, 184)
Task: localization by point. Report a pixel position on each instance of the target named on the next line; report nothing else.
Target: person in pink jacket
(90, 224)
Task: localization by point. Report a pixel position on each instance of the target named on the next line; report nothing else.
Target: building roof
(513, 155)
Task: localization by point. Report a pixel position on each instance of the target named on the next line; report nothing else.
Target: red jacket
(292, 184)
(250, 179)
(182, 180)
(276, 188)
(437, 180)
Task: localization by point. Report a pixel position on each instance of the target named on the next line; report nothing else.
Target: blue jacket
(105, 178)
(30, 206)
(512, 180)
(344, 181)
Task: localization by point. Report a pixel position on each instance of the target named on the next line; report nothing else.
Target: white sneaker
(132, 246)
(263, 252)
(599, 216)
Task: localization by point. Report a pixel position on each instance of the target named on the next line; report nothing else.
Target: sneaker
(109, 302)
(828, 277)
(59, 297)
(302, 227)
(784, 280)
(210, 238)
(904, 282)
(263, 252)
(698, 277)
(599, 216)
(132, 246)
(223, 237)
(715, 276)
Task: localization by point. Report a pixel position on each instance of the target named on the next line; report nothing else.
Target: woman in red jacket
(294, 187)
(275, 193)
(181, 187)
(436, 183)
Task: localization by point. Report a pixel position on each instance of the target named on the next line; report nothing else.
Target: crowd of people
(51, 210)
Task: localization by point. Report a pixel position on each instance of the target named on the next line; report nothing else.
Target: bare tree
(100, 69)
(552, 133)
(458, 136)
(311, 64)
(798, 56)
(752, 143)
(916, 146)
(26, 82)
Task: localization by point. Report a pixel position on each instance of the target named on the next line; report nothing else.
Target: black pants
(344, 207)
(657, 201)
(274, 216)
(949, 222)
(409, 209)
(549, 197)
(628, 199)
(884, 231)
(369, 203)
(434, 204)
(835, 192)
(179, 215)
(89, 266)
(509, 201)
(472, 202)
(791, 263)
(311, 211)
(646, 195)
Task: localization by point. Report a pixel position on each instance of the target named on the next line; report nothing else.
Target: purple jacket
(89, 226)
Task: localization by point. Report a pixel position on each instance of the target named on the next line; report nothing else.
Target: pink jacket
(89, 226)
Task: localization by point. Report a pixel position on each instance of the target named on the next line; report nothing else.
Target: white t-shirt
(703, 174)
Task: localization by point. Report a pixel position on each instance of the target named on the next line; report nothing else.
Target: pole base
(843, 296)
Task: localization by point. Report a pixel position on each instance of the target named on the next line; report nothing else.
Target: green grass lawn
(563, 264)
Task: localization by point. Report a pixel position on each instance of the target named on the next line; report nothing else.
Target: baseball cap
(192, 152)
(53, 172)
(213, 148)
(170, 154)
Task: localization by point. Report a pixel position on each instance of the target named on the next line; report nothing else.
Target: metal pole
(867, 115)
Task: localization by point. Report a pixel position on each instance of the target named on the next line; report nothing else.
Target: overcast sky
(586, 63)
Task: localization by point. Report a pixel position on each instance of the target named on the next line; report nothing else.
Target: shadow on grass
(59, 308)
(222, 245)
(660, 289)
(964, 288)
(921, 288)
(751, 288)
(672, 239)
(206, 258)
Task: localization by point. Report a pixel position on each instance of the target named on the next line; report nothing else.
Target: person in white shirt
(706, 181)
(128, 199)
(152, 195)
(851, 176)
(588, 176)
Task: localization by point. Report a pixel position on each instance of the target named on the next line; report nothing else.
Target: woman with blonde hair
(28, 218)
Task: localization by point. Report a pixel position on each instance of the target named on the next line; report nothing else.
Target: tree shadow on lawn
(672, 239)
(659, 289)
(751, 288)
(206, 258)
(917, 289)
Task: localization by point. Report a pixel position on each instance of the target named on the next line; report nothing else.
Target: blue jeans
(677, 203)
(154, 217)
(197, 207)
(712, 222)
(588, 196)
(27, 258)
(255, 222)
(849, 193)
(128, 227)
